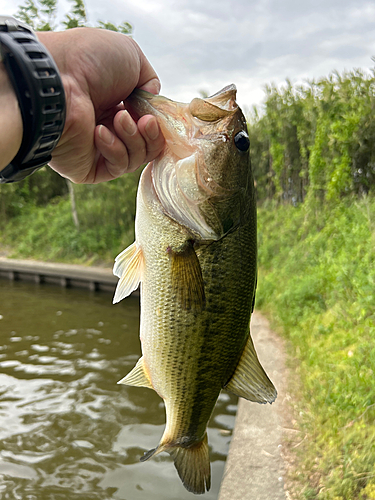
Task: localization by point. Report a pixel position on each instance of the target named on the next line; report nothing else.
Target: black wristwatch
(40, 93)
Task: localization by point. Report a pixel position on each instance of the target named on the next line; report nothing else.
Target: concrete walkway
(254, 469)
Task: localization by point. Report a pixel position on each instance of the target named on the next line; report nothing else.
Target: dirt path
(255, 467)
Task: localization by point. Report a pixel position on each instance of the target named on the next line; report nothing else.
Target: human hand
(99, 70)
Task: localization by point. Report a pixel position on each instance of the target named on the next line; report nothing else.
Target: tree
(41, 16)
(125, 27)
(77, 17)
(316, 140)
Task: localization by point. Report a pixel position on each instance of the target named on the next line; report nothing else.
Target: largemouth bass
(195, 255)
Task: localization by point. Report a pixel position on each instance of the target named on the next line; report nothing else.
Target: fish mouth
(217, 106)
(181, 122)
(170, 116)
(141, 103)
(212, 108)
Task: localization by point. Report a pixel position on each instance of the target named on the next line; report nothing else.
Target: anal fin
(138, 376)
(128, 267)
(249, 380)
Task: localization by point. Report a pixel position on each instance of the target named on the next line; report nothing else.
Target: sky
(204, 45)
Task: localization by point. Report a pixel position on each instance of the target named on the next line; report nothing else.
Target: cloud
(196, 45)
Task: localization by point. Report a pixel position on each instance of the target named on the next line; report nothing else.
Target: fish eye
(242, 141)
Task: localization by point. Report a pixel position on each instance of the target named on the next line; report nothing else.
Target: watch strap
(40, 93)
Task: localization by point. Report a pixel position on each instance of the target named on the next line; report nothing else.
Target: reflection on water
(67, 430)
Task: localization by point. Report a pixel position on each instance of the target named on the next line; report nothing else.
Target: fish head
(206, 157)
(222, 138)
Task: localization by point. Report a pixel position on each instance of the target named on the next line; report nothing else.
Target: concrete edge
(255, 467)
(66, 275)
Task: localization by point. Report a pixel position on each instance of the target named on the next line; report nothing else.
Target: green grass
(317, 283)
(48, 233)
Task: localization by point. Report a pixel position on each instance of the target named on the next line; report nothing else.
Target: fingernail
(105, 135)
(152, 130)
(127, 123)
(152, 86)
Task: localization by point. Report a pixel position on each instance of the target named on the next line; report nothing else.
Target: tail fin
(192, 464)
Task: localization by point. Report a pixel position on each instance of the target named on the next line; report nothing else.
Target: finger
(127, 147)
(150, 131)
(114, 153)
(127, 130)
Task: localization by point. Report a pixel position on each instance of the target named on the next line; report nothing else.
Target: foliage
(46, 186)
(125, 27)
(316, 140)
(77, 17)
(47, 232)
(313, 150)
(41, 16)
(317, 280)
(35, 191)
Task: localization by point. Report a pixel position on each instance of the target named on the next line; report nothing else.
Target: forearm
(11, 128)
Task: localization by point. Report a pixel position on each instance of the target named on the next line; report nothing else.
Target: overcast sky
(206, 44)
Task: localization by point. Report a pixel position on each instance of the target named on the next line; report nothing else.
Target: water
(67, 430)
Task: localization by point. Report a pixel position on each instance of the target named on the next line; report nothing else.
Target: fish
(195, 258)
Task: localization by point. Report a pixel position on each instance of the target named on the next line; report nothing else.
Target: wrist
(11, 126)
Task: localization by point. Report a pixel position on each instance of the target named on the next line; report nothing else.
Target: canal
(67, 430)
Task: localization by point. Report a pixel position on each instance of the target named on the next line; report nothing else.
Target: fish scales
(197, 268)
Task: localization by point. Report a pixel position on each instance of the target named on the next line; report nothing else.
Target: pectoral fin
(138, 376)
(187, 279)
(250, 381)
(128, 267)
